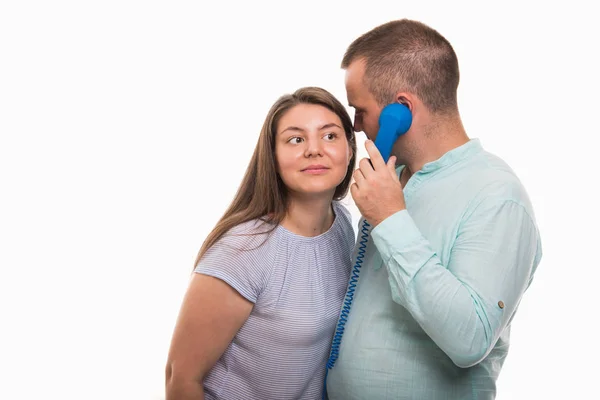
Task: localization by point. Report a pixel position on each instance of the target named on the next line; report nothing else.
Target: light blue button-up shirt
(440, 284)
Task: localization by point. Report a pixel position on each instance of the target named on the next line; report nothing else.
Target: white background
(126, 127)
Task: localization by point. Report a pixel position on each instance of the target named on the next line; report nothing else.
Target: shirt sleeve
(240, 260)
(463, 306)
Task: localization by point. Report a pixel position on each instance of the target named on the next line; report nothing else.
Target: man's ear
(407, 99)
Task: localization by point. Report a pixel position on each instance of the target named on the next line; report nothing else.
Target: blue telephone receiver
(394, 121)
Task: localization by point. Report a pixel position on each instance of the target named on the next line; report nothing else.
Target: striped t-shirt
(297, 285)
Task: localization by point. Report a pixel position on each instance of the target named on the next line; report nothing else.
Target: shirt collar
(467, 150)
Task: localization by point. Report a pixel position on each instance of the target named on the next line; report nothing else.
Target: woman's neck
(309, 216)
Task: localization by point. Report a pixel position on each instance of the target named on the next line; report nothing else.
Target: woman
(260, 311)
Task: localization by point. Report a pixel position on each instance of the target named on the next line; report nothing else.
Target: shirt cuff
(395, 233)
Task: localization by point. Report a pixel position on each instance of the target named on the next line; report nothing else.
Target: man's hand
(376, 190)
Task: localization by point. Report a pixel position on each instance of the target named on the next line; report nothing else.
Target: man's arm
(466, 305)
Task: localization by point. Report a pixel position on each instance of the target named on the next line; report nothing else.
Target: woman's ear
(350, 154)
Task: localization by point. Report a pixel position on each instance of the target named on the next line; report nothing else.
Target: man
(453, 243)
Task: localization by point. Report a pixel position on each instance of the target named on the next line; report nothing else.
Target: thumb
(391, 164)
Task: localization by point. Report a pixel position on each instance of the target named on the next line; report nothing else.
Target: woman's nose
(314, 147)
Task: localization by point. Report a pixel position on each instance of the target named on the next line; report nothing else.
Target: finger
(354, 191)
(366, 167)
(358, 176)
(392, 166)
(375, 155)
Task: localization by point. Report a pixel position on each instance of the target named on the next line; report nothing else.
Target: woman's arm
(211, 314)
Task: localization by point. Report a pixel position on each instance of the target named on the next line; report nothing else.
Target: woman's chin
(314, 191)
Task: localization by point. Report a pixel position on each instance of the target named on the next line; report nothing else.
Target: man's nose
(357, 125)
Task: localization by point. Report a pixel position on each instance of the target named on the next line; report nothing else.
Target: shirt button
(501, 304)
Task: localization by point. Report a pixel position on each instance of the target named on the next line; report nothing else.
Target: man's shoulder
(490, 178)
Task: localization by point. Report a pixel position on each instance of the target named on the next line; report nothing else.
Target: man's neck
(437, 140)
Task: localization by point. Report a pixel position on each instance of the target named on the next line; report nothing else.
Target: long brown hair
(262, 193)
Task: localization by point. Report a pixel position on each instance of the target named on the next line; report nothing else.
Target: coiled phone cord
(339, 331)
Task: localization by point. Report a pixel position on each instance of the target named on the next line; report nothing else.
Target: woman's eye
(295, 140)
(330, 136)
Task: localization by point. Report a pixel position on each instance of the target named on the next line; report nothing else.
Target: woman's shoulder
(345, 228)
(248, 235)
(249, 244)
(257, 226)
(342, 212)
(243, 258)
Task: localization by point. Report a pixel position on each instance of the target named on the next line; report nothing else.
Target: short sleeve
(242, 258)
